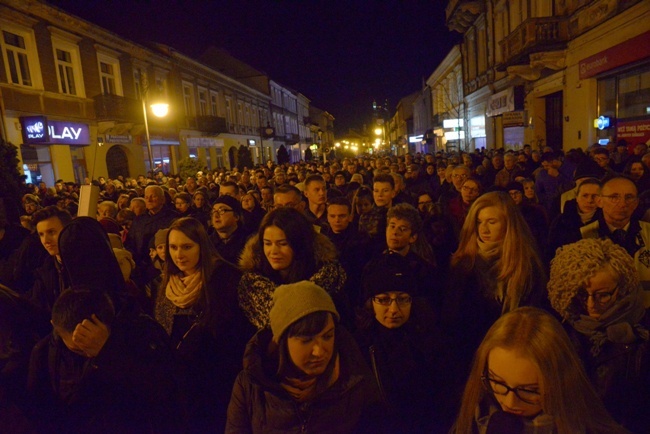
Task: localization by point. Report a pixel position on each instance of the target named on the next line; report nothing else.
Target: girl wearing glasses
(458, 206)
(496, 269)
(594, 286)
(527, 378)
(397, 338)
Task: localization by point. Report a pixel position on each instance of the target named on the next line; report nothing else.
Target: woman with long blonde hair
(526, 377)
(496, 269)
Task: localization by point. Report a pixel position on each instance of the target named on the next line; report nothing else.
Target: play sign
(40, 130)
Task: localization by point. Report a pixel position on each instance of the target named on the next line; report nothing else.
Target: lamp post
(159, 109)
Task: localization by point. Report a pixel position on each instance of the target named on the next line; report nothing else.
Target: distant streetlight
(378, 131)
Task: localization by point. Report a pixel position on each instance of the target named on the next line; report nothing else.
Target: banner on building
(633, 49)
(514, 119)
(507, 100)
(634, 132)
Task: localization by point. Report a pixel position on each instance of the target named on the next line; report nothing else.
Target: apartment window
(17, 58)
(229, 110)
(240, 114)
(214, 104)
(187, 99)
(137, 81)
(256, 118)
(109, 74)
(203, 102)
(247, 116)
(65, 71)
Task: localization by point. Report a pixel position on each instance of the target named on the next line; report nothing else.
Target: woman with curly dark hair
(286, 249)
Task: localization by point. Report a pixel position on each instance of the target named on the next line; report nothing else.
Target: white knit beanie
(295, 301)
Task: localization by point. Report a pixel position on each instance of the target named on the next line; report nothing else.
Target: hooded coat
(256, 290)
(259, 404)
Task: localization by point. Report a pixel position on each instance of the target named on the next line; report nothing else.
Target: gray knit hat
(295, 301)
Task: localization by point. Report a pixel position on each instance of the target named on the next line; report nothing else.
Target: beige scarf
(183, 292)
(303, 390)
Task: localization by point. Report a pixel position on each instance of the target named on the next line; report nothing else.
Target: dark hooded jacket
(259, 404)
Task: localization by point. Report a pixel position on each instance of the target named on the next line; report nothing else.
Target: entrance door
(231, 157)
(117, 162)
(554, 118)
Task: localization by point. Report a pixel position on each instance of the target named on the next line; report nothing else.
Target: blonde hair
(519, 257)
(575, 264)
(567, 395)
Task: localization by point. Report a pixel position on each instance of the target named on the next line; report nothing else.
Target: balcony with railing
(461, 14)
(117, 109)
(211, 124)
(534, 35)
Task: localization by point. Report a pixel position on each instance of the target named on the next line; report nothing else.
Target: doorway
(554, 119)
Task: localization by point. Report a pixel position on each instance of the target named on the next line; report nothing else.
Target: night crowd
(482, 292)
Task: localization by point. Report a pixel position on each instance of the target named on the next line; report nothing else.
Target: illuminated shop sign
(603, 122)
(40, 130)
(34, 129)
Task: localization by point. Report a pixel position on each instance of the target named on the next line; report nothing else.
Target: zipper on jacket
(375, 370)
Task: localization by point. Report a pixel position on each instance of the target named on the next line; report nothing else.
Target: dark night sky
(341, 55)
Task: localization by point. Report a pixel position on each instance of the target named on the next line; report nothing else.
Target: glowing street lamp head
(160, 109)
(378, 131)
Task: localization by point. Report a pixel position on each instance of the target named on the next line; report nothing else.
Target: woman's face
(392, 309)
(529, 190)
(199, 201)
(586, 198)
(600, 293)
(185, 253)
(247, 202)
(430, 170)
(469, 191)
(277, 249)
(508, 369)
(363, 206)
(491, 225)
(312, 354)
(636, 171)
(181, 206)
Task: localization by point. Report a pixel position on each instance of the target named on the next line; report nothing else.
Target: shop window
(37, 164)
(633, 94)
(161, 158)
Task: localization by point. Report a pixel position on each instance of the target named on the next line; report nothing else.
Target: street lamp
(160, 110)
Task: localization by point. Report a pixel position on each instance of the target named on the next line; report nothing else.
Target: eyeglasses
(498, 388)
(221, 211)
(456, 176)
(469, 189)
(602, 297)
(402, 300)
(426, 202)
(616, 198)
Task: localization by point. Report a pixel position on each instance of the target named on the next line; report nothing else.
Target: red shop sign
(633, 131)
(633, 49)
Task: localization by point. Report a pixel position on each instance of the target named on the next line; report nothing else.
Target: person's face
(223, 218)
(185, 253)
(290, 200)
(364, 206)
(601, 292)
(458, 177)
(425, 203)
(339, 180)
(30, 207)
(138, 207)
(618, 201)
(280, 177)
(181, 205)
(509, 162)
(491, 225)
(529, 190)
(245, 178)
(587, 198)
(497, 162)
(441, 171)
(103, 212)
(199, 201)
(469, 191)
(516, 196)
(312, 354)
(510, 368)
(399, 235)
(277, 249)
(636, 171)
(267, 196)
(160, 250)
(383, 193)
(316, 193)
(154, 201)
(190, 184)
(467, 160)
(48, 231)
(228, 190)
(248, 202)
(338, 217)
(602, 160)
(261, 181)
(397, 313)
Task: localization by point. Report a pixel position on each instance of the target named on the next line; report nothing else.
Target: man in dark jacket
(145, 226)
(229, 235)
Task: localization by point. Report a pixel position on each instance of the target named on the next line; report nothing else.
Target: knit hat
(295, 301)
(389, 272)
(160, 237)
(231, 202)
(588, 169)
(514, 185)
